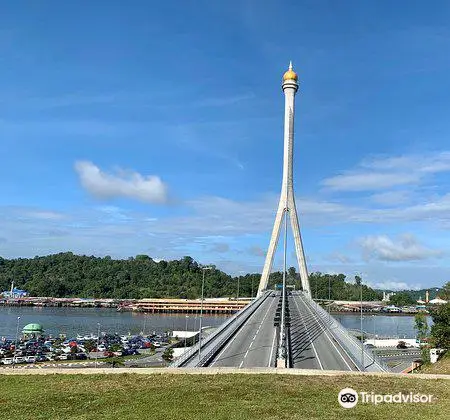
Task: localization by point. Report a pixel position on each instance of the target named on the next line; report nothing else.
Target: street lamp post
(237, 296)
(373, 317)
(98, 343)
(201, 314)
(362, 333)
(282, 339)
(16, 342)
(185, 331)
(329, 296)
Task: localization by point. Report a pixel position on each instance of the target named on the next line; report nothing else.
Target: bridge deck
(312, 347)
(253, 345)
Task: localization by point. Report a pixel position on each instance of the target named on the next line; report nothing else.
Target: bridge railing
(189, 354)
(222, 339)
(350, 343)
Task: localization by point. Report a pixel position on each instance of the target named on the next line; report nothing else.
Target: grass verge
(211, 397)
(442, 366)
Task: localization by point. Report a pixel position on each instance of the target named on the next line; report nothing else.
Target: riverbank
(209, 396)
(213, 306)
(81, 321)
(375, 313)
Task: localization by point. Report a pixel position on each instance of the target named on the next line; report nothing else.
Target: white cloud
(128, 184)
(390, 198)
(387, 172)
(426, 163)
(404, 248)
(394, 285)
(43, 214)
(340, 257)
(367, 181)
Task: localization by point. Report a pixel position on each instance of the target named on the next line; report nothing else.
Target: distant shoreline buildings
(14, 293)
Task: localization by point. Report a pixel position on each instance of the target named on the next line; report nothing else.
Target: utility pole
(329, 296)
(16, 342)
(362, 333)
(237, 296)
(185, 331)
(98, 343)
(201, 314)
(282, 362)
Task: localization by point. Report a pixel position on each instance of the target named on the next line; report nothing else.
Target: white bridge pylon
(286, 206)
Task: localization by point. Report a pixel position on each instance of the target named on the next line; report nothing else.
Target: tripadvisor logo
(348, 398)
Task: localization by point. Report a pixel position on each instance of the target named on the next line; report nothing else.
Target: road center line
(232, 340)
(257, 332)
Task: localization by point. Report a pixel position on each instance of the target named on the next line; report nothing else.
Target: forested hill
(69, 275)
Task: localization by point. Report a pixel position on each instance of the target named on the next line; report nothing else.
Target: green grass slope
(211, 397)
(442, 366)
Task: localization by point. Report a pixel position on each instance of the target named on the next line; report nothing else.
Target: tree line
(69, 275)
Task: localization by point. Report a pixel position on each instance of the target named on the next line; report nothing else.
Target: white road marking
(257, 332)
(232, 340)
(309, 335)
(273, 346)
(325, 332)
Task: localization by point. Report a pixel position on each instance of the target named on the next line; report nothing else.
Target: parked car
(402, 345)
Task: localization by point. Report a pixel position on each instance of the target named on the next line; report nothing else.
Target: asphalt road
(254, 344)
(312, 345)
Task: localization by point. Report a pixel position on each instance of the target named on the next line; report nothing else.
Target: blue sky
(156, 128)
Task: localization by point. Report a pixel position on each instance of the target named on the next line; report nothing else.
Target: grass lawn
(211, 397)
(441, 367)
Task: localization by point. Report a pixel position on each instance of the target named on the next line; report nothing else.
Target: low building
(437, 301)
(14, 293)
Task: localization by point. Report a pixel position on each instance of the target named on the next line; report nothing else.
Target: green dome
(29, 328)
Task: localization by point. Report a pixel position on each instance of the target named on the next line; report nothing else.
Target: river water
(73, 321)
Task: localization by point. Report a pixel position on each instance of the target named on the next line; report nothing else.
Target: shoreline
(357, 313)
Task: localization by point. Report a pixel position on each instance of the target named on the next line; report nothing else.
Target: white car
(101, 347)
(7, 361)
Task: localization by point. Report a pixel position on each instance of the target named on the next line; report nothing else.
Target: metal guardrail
(351, 345)
(239, 322)
(189, 354)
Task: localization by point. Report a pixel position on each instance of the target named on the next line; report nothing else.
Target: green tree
(444, 293)
(421, 326)
(168, 354)
(440, 330)
(90, 345)
(401, 299)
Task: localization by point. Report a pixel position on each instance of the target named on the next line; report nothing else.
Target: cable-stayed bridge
(251, 338)
(286, 329)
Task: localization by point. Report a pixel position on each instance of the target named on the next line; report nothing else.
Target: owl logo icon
(348, 398)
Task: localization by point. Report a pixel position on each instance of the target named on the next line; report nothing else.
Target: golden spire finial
(290, 74)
